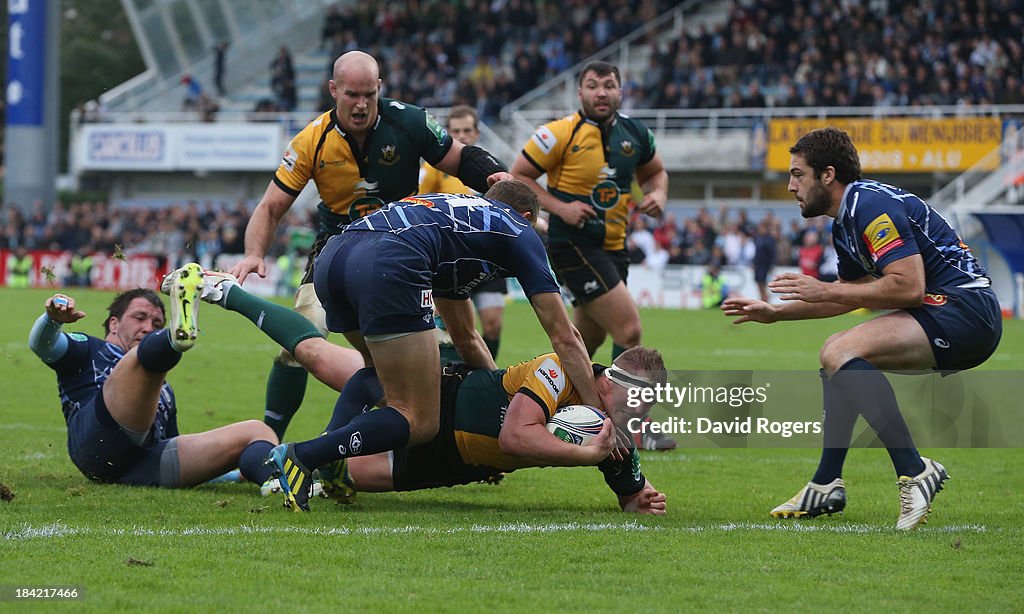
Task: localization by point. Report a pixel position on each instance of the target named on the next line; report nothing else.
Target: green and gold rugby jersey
(483, 398)
(595, 165)
(354, 181)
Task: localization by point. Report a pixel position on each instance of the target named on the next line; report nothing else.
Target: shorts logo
(935, 299)
(427, 298)
(591, 286)
(355, 443)
(544, 139)
(342, 450)
(881, 236)
(550, 376)
(941, 343)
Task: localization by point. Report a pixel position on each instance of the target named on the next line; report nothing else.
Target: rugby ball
(578, 424)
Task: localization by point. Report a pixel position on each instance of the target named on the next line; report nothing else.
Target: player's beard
(591, 112)
(817, 202)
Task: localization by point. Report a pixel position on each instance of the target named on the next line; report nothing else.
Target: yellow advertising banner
(900, 145)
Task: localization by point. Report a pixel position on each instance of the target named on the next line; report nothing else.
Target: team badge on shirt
(881, 236)
(389, 155)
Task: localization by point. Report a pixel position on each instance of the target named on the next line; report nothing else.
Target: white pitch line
(57, 530)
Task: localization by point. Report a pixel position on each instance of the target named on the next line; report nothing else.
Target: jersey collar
(842, 203)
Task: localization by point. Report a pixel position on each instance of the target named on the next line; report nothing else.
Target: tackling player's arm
(653, 180)
(259, 234)
(474, 166)
(573, 213)
(458, 319)
(524, 434)
(567, 342)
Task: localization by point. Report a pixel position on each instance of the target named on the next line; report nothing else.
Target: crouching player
(120, 413)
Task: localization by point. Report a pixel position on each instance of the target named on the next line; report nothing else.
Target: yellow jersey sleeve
(544, 380)
(547, 145)
(296, 167)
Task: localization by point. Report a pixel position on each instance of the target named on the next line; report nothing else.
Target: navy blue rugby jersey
(86, 365)
(469, 240)
(879, 224)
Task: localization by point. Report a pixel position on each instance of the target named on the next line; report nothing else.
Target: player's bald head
(356, 65)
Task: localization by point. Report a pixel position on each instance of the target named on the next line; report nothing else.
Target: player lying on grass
(895, 253)
(120, 413)
(492, 421)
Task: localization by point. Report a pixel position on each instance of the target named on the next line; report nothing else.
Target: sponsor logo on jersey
(881, 236)
(544, 139)
(389, 155)
(412, 200)
(547, 369)
(77, 337)
(605, 195)
(627, 148)
(289, 158)
(436, 128)
(935, 299)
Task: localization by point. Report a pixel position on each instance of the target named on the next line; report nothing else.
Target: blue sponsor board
(26, 61)
(129, 146)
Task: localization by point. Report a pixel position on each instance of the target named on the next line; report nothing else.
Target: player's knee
(629, 334)
(835, 353)
(422, 428)
(284, 357)
(256, 430)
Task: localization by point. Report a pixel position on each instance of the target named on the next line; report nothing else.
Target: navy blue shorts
(963, 326)
(104, 453)
(374, 282)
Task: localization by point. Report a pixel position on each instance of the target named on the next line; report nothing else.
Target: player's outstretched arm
(458, 319)
(567, 343)
(46, 339)
(524, 434)
(259, 233)
(647, 501)
(901, 286)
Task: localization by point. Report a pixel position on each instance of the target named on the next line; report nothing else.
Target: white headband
(626, 379)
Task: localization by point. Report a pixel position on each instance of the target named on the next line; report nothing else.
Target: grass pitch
(547, 538)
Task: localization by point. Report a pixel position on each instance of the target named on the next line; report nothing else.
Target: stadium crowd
(200, 232)
(481, 53)
(836, 53)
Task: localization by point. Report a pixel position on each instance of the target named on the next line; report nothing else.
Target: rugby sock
(375, 431)
(839, 421)
(492, 346)
(286, 387)
(616, 350)
(156, 354)
(285, 326)
(361, 393)
(252, 463)
(867, 390)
